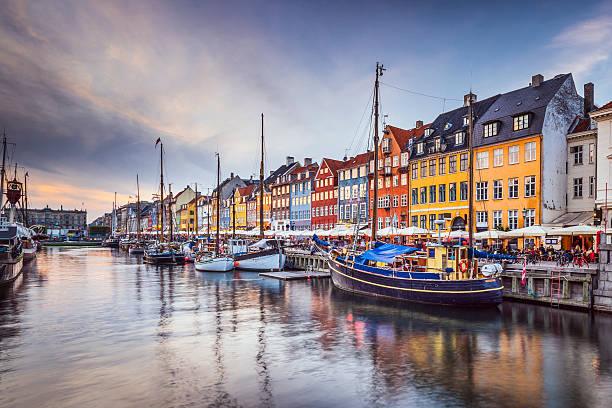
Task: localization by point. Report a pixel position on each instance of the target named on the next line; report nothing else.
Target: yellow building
(241, 197)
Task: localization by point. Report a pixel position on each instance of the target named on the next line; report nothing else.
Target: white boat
(265, 255)
(212, 264)
(30, 247)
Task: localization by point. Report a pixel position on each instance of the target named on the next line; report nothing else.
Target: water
(96, 328)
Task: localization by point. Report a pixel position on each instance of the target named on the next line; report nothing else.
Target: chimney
(537, 80)
(466, 99)
(589, 97)
(419, 123)
(290, 160)
(307, 161)
(231, 175)
(271, 172)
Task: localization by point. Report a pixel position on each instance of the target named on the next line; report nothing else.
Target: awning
(574, 218)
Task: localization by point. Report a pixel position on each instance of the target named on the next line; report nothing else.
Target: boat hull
(29, 254)
(136, 251)
(10, 271)
(215, 265)
(269, 259)
(164, 259)
(465, 293)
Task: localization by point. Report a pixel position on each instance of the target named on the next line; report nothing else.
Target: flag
(157, 141)
(524, 272)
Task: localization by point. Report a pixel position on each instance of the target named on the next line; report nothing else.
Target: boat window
(432, 253)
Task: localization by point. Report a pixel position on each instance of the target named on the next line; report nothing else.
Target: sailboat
(444, 275)
(266, 254)
(112, 241)
(163, 253)
(207, 262)
(139, 246)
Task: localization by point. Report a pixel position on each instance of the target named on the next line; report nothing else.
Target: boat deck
(295, 275)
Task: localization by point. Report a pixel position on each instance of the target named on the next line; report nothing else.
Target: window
(463, 162)
(415, 171)
(498, 157)
(577, 151)
(482, 160)
(423, 221)
(437, 144)
(404, 159)
(466, 121)
(415, 196)
(432, 167)
(497, 218)
(387, 221)
(423, 195)
(404, 179)
(395, 161)
(380, 183)
(432, 194)
(414, 221)
(395, 201)
(395, 180)
(482, 219)
(490, 129)
(387, 182)
(463, 191)
(578, 187)
(498, 187)
(513, 219)
(513, 188)
(530, 186)
(482, 191)
(591, 186)
(432, 221)
(442, 165)
(591, 153)
(452, 192)
(362, 208)
(513, 154)
(529, 217)
(420, 148)
(424, 169)
(380, 222)
(530, 151)
(458, 138)
(452, 164)
(521, 122)
(442, 193)
(342, 212)
(404, 200)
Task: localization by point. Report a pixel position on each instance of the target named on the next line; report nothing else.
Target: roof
(402, 136)
(301, 169)
(271, 179)
(333, 165)
(358, 160)
(603, 108)
(245, 191)
(579, 124)
(530, 99)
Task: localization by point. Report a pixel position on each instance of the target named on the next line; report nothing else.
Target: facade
(241, 198)
(227, 188)
(520, 154)
(438, 169)
(62, 219)
(203, 210)
(301, 187)
(603, 198)
(353, 190)
(324, 199)
(267, 206)
(179, 200)
(281, 197)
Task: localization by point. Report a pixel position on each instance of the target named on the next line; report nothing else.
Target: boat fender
(463, 265)
(236, 263)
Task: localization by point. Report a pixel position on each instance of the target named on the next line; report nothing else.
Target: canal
(97, 328)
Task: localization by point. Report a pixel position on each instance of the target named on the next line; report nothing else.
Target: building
(520, 154)
(203, 211)
(227, 188)
(255, 205)
(281, 197)
(324, 198)
(58, 219)
(301, 186)
(353, 190)
(177, 201)
(603, 117)
(581, 166)
(241, 197)
(438, 161)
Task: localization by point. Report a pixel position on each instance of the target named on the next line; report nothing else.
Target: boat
(437, 274)
(111, 242)
(264, 255)
(164, 254)
(30, 247)
(138, 247)
(11, 253)
(190, 251)
(207, 262)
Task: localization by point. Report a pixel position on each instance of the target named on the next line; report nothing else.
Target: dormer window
(428, 131)
(437, 144)
(465, 121)
(490, 129)
(458, 138)
(448, 126)
(420, 148)
(521, 122)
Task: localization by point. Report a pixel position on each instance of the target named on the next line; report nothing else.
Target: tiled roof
(245, 191)
(603, 108)
(333, 165)
(301, 169)
(579, 125)
(358, 160)
(402, 135)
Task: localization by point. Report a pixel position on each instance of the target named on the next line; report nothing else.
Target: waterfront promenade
(94, 327)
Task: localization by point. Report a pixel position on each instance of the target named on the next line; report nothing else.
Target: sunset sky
(87, 87)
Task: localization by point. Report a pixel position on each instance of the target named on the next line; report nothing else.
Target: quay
(295, 275)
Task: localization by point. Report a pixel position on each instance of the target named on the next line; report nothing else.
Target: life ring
(463, 266)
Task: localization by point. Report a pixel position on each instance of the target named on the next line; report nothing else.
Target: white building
(603, 199)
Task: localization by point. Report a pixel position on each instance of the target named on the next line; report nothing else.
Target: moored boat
(11, 254)
(264, 255)
(210, 263)
(164, 255)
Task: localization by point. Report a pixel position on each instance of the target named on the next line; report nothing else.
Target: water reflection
(119, 332)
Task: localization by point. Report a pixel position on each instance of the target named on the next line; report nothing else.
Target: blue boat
(439, 275)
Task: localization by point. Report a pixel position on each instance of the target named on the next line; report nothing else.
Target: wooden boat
(11, 254)
(164, 255)
(265, 255)
(210, 263)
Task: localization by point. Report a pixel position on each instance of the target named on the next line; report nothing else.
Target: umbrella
(532, 231)
(492, 234)
(412, 231)
(577, 230)
(388, 231)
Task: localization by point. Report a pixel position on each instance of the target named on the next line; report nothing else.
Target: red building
(324, 198)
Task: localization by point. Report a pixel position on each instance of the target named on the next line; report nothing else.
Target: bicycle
(580, 261)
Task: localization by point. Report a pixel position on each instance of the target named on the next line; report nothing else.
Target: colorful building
(281, 200)
(241, 197)
(324, 198)
(353, 190)
(301, 186)
(603, 198)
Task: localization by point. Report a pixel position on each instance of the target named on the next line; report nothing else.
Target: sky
(87, 87)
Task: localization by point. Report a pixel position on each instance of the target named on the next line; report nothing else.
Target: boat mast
(379, 72)
(196, 211)
(170, 215)
(161, 184)
(261, 183)
(2, 172)
(470, 181)
(234, 214)
(208, 203)
(25, 186)
(218, 207)
(138, 209)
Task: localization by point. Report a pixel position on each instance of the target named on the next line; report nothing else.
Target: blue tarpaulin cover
(319, 241)
(384, 253)
(482, 254)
